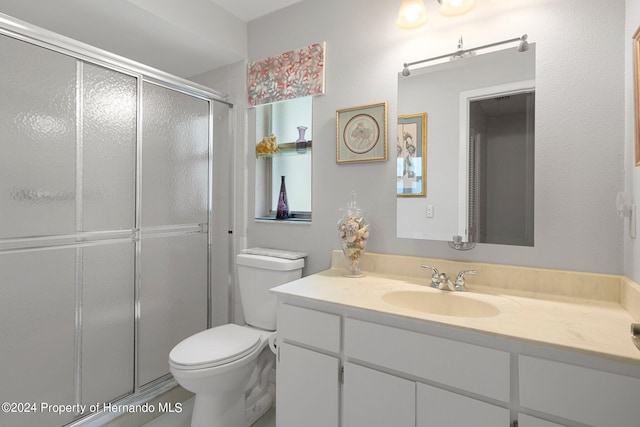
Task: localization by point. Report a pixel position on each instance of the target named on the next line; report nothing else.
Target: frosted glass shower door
(105, 212)
(108, 149)
(37, 333)
(68, 133)
(37, 140)
(174, 224)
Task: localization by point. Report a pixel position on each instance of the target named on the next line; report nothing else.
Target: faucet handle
(435, 275)
(428, 267)
(459, 285)
(462, 273)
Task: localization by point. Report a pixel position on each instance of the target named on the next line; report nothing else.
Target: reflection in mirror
(500, 168)
(452, 93)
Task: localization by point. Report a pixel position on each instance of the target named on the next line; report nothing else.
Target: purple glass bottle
(282, 211)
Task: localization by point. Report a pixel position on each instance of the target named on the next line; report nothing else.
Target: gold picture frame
(636, 84)
(361, 133)
(411, 175)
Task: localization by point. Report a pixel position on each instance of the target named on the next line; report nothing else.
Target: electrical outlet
(429, 211)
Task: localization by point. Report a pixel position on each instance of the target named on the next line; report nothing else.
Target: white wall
(632, 173)
(580, 106)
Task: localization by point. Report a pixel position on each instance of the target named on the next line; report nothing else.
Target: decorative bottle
(282, 212)
(301, 142)
(353, 232)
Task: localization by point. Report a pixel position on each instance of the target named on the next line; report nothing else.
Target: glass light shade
(456, 7)
(413, 14)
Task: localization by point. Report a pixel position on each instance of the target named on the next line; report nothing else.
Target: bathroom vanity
(378, 351)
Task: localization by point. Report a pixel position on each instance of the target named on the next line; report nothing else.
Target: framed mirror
(475, 154)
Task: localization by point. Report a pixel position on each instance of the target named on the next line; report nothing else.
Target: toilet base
(218, 412)
(261, 390)
(239, 411)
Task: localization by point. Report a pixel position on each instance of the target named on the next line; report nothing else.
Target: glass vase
(353, 232)
(282, 211)
(301, 142)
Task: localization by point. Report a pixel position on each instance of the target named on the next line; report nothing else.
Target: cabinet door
(376, 399)
(307, 388)
(438, 408)
(584, 395)
(529, 421)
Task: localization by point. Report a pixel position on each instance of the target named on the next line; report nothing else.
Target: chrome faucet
(442, 281)
(438, 280)
(459, 284)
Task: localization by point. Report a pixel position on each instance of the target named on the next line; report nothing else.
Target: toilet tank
(256, 275)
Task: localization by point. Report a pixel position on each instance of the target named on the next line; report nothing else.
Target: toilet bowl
(219, 375)
(229, 368)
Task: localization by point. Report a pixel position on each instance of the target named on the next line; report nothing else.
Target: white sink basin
(442, 303)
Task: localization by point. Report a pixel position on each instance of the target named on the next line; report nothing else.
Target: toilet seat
(215, 347)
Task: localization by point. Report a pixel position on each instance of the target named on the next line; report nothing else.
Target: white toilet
(228, 367)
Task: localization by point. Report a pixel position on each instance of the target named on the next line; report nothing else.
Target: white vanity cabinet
(585, 395)
(467, 367)
(307, 387)
(376, 399)
(424, 365)
(307, 376)
(437, 407)
(345, 367)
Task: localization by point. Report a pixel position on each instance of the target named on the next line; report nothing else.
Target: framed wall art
(361, 133)
(636, 84)
(411, 176)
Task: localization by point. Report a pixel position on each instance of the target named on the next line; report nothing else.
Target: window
(282, 119)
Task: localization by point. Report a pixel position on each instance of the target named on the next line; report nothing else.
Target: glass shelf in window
(287, 149)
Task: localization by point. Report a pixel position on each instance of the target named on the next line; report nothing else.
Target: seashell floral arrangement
(353, 232)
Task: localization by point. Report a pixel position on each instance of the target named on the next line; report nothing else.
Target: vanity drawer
(309, 327)
(581, 394)
(464, 366)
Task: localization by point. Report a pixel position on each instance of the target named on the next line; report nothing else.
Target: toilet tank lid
(269, 263)
(277, 253)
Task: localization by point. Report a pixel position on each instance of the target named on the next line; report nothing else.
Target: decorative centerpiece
(353, 232)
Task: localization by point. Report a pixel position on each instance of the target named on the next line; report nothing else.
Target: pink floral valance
(293, 74)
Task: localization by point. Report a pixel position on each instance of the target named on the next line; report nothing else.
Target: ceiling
(248, 10)
(184, 38)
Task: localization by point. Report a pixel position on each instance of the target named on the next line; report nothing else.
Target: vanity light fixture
(523, 46)
(455, 7)
(413, 14)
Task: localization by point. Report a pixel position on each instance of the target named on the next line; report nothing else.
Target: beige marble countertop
(590, 326)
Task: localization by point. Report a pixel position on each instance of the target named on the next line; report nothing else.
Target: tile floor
(183, 419)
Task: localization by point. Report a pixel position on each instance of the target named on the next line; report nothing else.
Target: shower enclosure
(105, 213)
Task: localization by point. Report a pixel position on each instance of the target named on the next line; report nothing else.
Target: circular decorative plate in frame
(361, 134)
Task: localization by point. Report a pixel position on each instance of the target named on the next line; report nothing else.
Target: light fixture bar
(524, 46)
